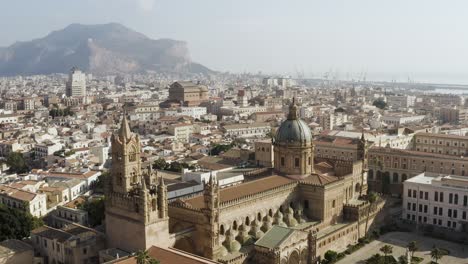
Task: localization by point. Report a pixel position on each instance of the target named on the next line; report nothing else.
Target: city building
(187, 94)
(397, 119)
(440, 200)
(389, 168)
(247, 130)
(181, 132)
(72, 244)
(31, 202)
(76, 84)
(441, 143)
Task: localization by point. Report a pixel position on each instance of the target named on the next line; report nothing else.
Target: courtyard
(399, 241)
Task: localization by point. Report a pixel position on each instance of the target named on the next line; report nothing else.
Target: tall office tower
(76, 84)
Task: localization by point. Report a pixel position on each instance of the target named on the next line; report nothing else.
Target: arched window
(221, 230)
(395, 177)
(296, 162)
(234, 225)
(132, 154)
(259, 217)
(270, 212)
(333, 203)
(247, 221)
(404, 177)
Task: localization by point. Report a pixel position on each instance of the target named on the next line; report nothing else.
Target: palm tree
(436, 254)
(387, 249)
(371, 198)
(142, 257)
(412, 247)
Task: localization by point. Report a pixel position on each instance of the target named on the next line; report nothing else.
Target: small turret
(162, 198)
(124, 131)
(293, 115)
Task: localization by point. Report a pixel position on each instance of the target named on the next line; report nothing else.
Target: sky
(423, 40)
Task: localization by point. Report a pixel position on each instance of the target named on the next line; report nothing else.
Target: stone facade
(389, 168)
(312, 204)
(136, 204)
(315, 207)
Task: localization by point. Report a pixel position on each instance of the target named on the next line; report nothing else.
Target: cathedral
(294, 213)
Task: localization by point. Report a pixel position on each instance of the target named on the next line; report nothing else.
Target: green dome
(293, 130)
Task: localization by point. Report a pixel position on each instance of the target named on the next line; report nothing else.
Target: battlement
(289, 186)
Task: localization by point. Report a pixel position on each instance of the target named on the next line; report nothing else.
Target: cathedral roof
(293, 130)
(168, 255)
(274, 237)
(244, 189)
(320, 179)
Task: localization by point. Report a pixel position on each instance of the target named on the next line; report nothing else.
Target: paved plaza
(399, 240)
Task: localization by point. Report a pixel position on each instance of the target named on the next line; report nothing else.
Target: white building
(76, 84)
(401, 119)
(46, 149)
(329, 121)
(193, 111)
(34, 203)
(435, 199)
(10, 118)
(247, 130)
(181, 132)
(401, 101)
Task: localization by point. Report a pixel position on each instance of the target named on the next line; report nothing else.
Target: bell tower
(136, 208)
(212, 245)
(126, 162)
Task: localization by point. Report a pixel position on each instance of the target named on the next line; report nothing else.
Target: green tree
(175, 166)
(371, 198)
(95, 209)
(16, 224)
(142, 257)
(17, 163)
(402, 260)
(160, 164)
(379, 103)
(386, 250)
(98, 185)
(217, 149)
(374, 259)
(437, 254)
(331, 256)
(412, 247)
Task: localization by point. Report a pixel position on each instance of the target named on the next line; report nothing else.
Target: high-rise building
(76, 84)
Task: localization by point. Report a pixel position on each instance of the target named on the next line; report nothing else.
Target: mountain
(98, 49)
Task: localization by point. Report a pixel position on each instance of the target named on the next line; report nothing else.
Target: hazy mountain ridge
(99, 49)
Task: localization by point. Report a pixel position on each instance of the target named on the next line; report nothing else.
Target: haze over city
(421, 40)
(233, 132)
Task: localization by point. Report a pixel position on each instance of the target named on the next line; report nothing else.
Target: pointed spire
(211, 178)
(293, 110)
(124, 132)
(161, 181)
(143, 183)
